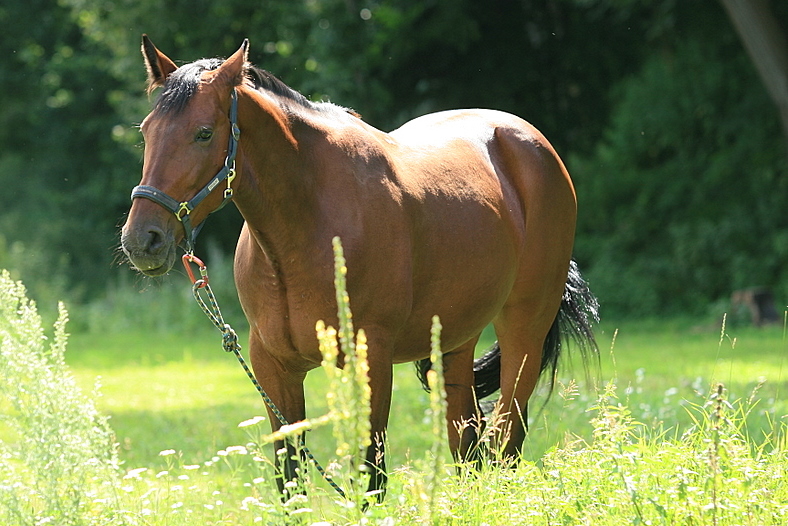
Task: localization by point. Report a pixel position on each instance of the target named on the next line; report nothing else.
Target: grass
(189, 396)
(645, 440)
(166, 391)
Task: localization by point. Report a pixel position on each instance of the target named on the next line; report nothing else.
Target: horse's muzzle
(150, 249)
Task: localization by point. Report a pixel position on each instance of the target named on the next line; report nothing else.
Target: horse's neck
(275, 194)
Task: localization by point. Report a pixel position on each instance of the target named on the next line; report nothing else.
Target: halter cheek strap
(183, 209)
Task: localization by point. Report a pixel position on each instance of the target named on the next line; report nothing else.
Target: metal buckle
(183, 208)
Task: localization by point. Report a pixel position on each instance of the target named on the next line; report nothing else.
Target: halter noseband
(182, 210)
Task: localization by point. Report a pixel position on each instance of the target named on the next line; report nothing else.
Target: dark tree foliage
(551, 62)
(683, 200)
(664, 124)
(61, 171)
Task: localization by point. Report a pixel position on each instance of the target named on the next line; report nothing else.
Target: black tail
(578, 313)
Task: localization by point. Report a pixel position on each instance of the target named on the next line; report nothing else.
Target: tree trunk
(765, 42)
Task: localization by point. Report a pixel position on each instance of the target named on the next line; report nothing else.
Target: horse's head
(190, 146)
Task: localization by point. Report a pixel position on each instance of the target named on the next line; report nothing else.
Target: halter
(182, 210)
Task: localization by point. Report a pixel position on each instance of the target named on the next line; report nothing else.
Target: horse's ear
(159, 66)
(234, 68)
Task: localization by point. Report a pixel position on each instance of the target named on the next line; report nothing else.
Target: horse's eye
(203, 135)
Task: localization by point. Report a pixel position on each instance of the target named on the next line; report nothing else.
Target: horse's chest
(285, 325)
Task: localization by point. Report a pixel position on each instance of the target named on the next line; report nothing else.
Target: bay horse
(467, 214)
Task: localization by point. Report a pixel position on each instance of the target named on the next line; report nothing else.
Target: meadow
(645, 437)
(166, 390)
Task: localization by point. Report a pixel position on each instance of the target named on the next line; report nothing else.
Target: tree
(682, 202)
(766, 44)
(60, 171)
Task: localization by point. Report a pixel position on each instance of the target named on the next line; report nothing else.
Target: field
(172, 391)
(644, 438)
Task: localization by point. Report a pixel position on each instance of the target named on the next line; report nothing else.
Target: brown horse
(466, 214)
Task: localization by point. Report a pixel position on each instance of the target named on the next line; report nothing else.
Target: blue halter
(182, 210)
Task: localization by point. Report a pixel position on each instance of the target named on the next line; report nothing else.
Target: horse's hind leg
(521, 331)
(544, 190)
(462, 417)
(522, 327)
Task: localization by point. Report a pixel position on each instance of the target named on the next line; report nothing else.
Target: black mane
(264, 80)
(182, 84)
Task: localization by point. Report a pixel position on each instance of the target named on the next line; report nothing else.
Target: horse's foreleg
(286, 390)
(462, 416)
(380, 381)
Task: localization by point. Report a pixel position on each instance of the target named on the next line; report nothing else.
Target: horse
(465, 214)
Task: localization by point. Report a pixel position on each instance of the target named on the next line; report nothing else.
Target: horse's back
(472, 143)
(503, 158)
(478, 125)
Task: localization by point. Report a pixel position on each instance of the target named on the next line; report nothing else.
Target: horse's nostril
(155, 240)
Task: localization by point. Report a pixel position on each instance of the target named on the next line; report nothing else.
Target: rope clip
(187, 260)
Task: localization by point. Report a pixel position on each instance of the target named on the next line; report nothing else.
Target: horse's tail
(576, 317)
(578, 313)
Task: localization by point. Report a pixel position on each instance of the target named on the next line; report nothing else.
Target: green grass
(639, 441)
(615, 463)
(166, 390)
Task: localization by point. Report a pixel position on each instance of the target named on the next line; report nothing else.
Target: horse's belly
(465, 275)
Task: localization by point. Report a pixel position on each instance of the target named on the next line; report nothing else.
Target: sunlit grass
(638, 441)
(170, 387)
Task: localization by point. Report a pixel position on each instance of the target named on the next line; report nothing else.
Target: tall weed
(57, 453)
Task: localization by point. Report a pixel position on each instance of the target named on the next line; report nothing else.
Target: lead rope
(230, 344)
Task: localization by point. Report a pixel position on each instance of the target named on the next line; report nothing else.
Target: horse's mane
(266, 81)
(182, 84)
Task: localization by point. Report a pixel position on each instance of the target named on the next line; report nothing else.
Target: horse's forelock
(182, 84)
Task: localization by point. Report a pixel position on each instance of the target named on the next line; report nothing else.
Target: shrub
(58, 461)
